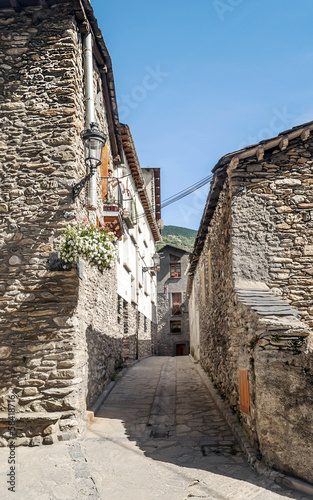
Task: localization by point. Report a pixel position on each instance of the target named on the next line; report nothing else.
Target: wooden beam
(283, 143)
(305, 134)
(260, 153)
(109, 114)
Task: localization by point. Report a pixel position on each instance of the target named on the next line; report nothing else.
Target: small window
(176, 304)
(174, 258)
(175, 270)
(175, 326)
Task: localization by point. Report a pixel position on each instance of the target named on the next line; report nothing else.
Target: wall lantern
(184, 309)
(94, 142)
(156, 264)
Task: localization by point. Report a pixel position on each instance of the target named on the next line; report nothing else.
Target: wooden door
(180, 349)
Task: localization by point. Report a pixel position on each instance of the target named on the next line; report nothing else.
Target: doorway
(181, 350)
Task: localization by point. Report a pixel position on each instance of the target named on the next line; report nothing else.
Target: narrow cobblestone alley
(166, 439)
(159, 435)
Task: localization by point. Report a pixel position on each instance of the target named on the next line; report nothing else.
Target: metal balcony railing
(176, 309)
(112, 194)
(129, 211)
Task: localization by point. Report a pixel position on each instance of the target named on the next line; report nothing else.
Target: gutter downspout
(90, 109)
(137, 294)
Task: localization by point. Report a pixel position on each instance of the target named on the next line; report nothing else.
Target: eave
(134, 165)
(224, 167)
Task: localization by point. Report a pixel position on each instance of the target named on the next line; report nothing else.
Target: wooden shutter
(104, 171)
(244, 391)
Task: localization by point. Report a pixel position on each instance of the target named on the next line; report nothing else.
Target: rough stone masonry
(59, 336)
(251, 294)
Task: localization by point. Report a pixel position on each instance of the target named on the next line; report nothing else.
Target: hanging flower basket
(94, 244)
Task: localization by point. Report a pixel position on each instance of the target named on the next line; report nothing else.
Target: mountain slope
(181, 237)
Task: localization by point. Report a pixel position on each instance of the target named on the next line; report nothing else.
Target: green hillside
(181, 237)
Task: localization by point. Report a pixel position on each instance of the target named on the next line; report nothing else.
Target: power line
(205, 180)
(181, 194)
(186, 192)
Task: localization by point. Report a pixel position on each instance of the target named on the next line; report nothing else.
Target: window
(176, 304)
(175, 326)
(175, 266)
(174, 258)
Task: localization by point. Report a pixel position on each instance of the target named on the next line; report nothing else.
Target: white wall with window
(135, 251)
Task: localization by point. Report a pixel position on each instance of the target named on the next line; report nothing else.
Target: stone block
(51, 429)
(5, 352)
(63, 374)
(308, 250)
(22, 441)
(35, 441)
(15, 260)
(49, 439)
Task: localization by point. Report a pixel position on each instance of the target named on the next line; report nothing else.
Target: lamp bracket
(80, 185)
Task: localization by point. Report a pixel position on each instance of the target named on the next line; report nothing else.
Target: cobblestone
(158, 435)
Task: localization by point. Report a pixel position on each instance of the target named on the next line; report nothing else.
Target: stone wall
(145, 332)
(137, 332)
(129, 325)
(213, 296)
(60, 341)
(260, 234)
(165, 341)
(273, 223)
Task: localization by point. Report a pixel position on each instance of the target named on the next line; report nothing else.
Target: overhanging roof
(224, 167)
(134, 165)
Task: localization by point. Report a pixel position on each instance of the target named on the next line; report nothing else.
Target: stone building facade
(250, 289)
(173, 338)
(61, 340)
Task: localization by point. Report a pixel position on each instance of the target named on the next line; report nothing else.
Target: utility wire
(181, 194)
(205, 180)
(186, 192)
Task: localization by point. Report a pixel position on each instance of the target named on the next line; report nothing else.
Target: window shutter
(104, 171)
(244, 391)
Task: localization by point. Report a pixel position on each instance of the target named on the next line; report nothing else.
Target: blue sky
(197, 79)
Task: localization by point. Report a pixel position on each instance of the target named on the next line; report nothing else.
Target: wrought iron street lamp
(184, 309)
(156, 264)
(94, 142)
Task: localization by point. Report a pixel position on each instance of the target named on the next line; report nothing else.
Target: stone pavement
(159, 435)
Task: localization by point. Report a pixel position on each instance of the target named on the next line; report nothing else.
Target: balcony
(113, 204)
(118, 203)
(129, 212)
(176, 309)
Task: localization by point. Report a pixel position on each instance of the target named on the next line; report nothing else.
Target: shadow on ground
(161, 411)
